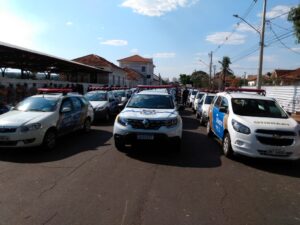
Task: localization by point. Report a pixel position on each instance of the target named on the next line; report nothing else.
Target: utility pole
(262, 45)
(210, 67)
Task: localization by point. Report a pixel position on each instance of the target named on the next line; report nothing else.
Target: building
(133, 78)
(291, 78)
(141, 65)
(117, 76)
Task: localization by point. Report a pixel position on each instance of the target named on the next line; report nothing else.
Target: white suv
(148, 116)
(253, 125)
(203, 107)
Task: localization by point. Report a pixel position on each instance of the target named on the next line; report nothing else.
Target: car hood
(268, 123)
(19, 118)
(133, 113)
(98, 104)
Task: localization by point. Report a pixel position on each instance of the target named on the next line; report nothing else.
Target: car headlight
(172, 122)
(241, 128)
(31, 127)
(122, 121)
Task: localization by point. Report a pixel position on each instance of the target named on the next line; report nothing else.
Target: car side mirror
(223, 109)
(66, 109)
(289, 113)
(12, 108)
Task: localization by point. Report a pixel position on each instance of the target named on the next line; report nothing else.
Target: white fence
(287, 96)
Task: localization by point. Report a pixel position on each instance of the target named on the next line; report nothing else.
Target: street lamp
(261, 43)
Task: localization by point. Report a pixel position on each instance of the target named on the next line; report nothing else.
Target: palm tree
(225, 69)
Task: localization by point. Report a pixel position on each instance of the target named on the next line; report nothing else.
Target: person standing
(33, 90)
(11, 95)
(185, 95)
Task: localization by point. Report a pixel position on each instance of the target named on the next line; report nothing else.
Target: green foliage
(294, 17)
(185, 79)
(200, 79)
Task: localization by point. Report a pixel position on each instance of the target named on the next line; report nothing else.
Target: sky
(177, 34)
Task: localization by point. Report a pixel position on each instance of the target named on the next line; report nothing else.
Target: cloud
(156, 7)
(296, 49)
(277, 11)
(164, 55)
(115, 42)
(220, 37)
(69, 23)
(267, 58)
(17, 29)
(134, 51)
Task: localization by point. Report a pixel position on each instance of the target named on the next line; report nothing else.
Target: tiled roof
(136, 58)
(93, 60)
(281, 73)
(132, 74)
(294, 75)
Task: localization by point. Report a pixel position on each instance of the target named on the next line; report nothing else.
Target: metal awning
(15, 57)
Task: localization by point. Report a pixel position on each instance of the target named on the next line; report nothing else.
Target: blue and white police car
(253, 125)
(148, 116)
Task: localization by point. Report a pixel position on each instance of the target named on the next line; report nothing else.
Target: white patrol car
(40, 119)
(253, 125)
(198, 97)
(148, 116)
(203, 107)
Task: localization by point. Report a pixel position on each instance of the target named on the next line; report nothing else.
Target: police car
(253, 125)
(148, 116)
(198, 97)
(203, 107)
(40, 119)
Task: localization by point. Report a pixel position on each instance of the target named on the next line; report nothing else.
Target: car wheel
(49, 141)
(208, 130)
(120, 145)
(87, 125)
(227, 149)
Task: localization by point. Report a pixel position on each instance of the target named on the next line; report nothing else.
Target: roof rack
(252, 90)
(54, 90)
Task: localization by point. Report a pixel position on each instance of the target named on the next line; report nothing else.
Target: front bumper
(21, 140)
(249, 145)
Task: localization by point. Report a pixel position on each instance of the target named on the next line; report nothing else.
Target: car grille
(275, 141)
(267, 153)
(7, 130)
(276, 132)
(150, 125)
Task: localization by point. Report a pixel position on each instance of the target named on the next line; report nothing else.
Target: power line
(281, 42)
(275, 17)
(276, 25)
(250, 8)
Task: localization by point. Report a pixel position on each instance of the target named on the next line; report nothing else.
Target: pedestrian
(25, 92)
(33, 90)
(185, 95)
(3, 94)
(11, 95)
(19, 93)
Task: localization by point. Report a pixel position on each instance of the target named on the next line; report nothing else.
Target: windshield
(257, 108)
(119, 93)
(194, 92)
(209, 99)
(200, 96)
(38, 104)
(151, 102)
(96, 96)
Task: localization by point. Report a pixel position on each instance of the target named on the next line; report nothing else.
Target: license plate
(145, 137)
(4, 138)
(276, 152)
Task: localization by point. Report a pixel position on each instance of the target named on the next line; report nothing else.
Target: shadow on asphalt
(197, 152)
(67, 146)
(281, 167)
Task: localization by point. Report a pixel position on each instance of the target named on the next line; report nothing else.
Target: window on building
(143, 68)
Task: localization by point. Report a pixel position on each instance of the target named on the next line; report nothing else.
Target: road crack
(50, 218)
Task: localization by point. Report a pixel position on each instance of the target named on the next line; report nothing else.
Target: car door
(79, 114)
(66, 123)
(113, 103)
(215, 115)
(221, 118)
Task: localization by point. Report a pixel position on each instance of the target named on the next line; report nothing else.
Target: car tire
(208, 130)
(120, 145)
(226, 146)
(87, 125)
(49, 141)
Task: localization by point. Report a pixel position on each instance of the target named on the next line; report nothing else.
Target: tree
(200, 79)
(225, 64)
(184, 79)
(294, 17)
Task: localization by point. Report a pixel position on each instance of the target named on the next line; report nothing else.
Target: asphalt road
(87, 181)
